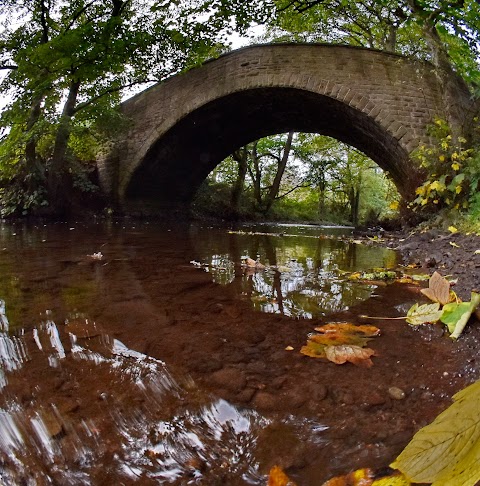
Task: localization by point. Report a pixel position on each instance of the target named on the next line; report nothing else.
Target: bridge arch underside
(179, 161)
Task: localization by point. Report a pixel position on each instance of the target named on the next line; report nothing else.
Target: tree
(443, 32)
(69, 63)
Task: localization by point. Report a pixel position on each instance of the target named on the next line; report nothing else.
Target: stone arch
(220, 126)
(380, 103)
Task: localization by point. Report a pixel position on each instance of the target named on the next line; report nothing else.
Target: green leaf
(446, 452)
(456, 316)
(423, 314)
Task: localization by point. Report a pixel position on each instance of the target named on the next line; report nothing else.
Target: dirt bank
(457, 255)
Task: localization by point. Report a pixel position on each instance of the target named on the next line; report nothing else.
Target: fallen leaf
(360, 477)
(456, 315)
(340, 342)
(354, 354)
(397, 479)
(313, 349)
(289, 348)
(447, 450)
(250, 263)
(454, 244)
(347, 327)
(438, 289)
(476, 252)
(277, 477)
(337, 339)
(452, 229)
(423, 314)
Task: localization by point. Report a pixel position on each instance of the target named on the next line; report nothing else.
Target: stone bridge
(182, 128)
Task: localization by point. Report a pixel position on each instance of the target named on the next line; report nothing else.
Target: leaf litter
(342, 342)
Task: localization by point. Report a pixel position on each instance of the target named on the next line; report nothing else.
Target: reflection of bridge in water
(181, 129)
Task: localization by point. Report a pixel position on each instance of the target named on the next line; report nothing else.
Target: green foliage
(427, 30)
(324, 180)
(453, 172)
(69, 63)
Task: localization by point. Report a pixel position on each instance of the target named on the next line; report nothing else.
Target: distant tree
(68, 64)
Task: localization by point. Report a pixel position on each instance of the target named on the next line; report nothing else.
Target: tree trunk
(391, 43)
(58, 177)
(33, 164)
(256, 176)
(274, 189)
(241, 157)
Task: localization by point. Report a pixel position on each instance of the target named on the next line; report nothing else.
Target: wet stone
(278, 382)
(265, 401)
(256, 367)
(246, 395)
(319, 392)
(229, 378)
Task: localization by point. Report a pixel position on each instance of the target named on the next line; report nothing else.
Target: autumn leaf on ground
(342, 342)
(277, 477)
(350, 353)
(456, 315)
(348, 328)
(424, 314)
(447, 450)
(365, 477)
(438, 289)
(361, 477)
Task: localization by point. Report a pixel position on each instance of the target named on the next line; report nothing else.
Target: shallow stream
(142, 353)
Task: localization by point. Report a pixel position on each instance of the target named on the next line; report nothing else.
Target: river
(147, 353)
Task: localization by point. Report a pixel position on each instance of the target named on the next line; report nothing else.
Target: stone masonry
(182, 128)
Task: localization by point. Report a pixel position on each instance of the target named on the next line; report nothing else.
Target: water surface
(142, 353)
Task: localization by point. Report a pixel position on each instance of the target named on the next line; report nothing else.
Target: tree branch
(116, 89)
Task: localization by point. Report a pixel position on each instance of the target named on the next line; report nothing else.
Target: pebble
(396, 393)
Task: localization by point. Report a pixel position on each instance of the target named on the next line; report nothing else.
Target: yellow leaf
(348, 328)
(397, 479)
(394, 205)
(458, 189)
(420, 190)
(361, 477)
(452, 229)
(476, 252)
(423, 314)
(446, 452)
(277, 477)
(437, 186)
(452, 243)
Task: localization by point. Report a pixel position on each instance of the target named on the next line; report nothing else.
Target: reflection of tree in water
(310, 295)
(303, 276)
(307, 282)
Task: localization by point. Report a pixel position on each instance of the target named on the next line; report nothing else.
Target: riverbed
(147, 353)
